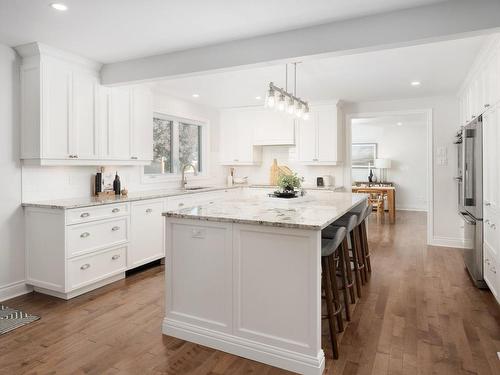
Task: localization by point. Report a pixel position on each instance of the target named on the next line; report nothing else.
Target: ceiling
(382, 75)
(115, 30)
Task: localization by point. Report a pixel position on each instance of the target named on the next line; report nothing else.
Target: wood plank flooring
(419, 314)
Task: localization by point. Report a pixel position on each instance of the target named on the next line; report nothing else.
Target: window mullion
(175, 147)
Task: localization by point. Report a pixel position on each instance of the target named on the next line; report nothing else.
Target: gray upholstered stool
(350, 221)
(329, 250)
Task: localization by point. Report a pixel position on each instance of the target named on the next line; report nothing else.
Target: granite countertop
(70, 203)
(309, 212)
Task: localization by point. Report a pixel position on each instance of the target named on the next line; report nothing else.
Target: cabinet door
(147, 233)
(119, 124)
(272, 128)
(56, 110)
(236, 135)
(327, 133)
(490, 161)
(307, 139)
(84, 128)
(227, 138)
(245, 152)
(142, 125)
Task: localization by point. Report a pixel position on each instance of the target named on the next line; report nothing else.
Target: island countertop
(314, 212)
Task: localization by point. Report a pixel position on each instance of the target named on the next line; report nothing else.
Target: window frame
(204, 154)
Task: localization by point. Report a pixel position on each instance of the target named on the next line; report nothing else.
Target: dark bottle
(370, 176)
(98, 183)
(117, 184)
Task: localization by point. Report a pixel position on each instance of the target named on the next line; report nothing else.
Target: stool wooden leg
(327, 286)
(359, 251)
(332, 267)
(356, 267)
(366, 249)
(343, 275)
(348, 270)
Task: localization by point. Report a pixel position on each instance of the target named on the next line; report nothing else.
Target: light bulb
(270, 100)
(306, 113)
(298, 109)
(281, 103)
(290, 106)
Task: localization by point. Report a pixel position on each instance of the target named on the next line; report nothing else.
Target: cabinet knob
(84, 234)
(114, 229)
(134, 157)
(149, 210)
(75, 156)
(115, 210)
(85, 266)
(487, 221)
(493, 269)
(493, 226)
(85, 214)
(115, 257)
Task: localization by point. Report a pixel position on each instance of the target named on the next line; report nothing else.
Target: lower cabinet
(147, 233)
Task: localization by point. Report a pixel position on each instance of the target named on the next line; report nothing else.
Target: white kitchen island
(243, 275)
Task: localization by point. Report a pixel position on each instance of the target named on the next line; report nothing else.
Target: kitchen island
(243, 275)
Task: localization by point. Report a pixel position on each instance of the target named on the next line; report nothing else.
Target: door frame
(429, 153)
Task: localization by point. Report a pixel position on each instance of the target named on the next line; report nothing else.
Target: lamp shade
(382, 163)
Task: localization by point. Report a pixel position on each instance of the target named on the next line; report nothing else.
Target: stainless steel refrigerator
(470, 198)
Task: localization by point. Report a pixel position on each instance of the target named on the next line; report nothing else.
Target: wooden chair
(376, 200)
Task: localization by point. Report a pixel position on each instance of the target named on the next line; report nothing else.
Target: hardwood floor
(419, 314)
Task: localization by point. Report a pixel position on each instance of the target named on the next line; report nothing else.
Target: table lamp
(383, 165)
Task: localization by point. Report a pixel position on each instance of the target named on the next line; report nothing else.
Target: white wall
(11, 214)
(405, 146)
(447, 227)
(42, 183)
(286, 156)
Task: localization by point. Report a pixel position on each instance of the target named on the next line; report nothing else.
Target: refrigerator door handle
(467, 219)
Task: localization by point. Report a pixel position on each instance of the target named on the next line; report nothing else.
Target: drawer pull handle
(487, 221)
(84, 234)
(115, 257)
(493, 269)
(134, 157)
(181, 204)
(85, 266)
(85, 214)
(149, 210)
(487, 203)
(114, 229)
(493, 226)
(115, 210)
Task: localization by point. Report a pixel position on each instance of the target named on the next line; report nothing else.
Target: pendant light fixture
(283, 101)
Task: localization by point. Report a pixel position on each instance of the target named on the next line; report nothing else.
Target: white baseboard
(292, 361)
(13, 290)
(448, 242)
(418, 209)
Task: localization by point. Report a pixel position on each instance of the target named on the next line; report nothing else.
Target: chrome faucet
(184, 178)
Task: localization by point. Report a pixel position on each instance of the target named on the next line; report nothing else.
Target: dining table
(387, 191)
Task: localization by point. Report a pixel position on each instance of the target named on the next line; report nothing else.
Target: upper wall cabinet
(320, 139)
(67, 118)
(482, 88)
(237, 138)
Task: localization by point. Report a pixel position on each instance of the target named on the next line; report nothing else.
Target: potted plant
(289, 185)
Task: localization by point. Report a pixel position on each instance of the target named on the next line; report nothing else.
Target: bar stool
(364, 237)
(329, 248)
(350, 221)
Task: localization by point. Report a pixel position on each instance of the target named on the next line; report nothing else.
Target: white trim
(458, 243)
(15, 289)
(300, 363)
(428, 112)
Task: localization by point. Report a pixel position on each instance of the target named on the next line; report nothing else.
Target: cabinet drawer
(89, 269)
(88, 237)
(82, 215)
(490, 269)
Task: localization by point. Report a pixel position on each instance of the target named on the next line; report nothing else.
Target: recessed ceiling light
(195, 95)
(415, 83)
(59, 6)
(258, 97)
(399, 124)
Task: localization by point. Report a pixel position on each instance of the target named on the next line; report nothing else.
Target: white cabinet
(271, 128)
(84, 125)
(147, 233)
(67, 118)
(491, 198)
(236, 139)
(319, 139)
(482, 88)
